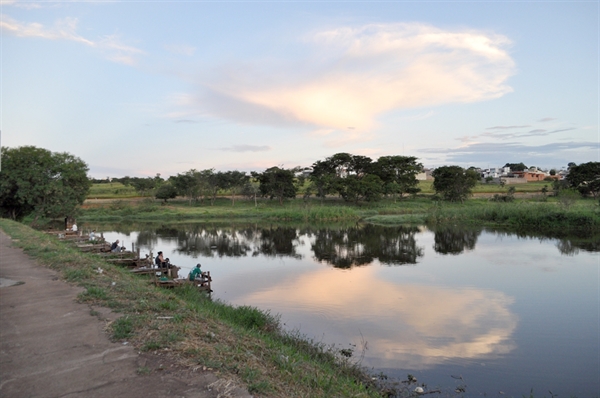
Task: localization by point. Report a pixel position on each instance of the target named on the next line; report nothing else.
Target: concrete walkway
(51, 346)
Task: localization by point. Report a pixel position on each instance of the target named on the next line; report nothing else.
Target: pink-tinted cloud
(362, 72)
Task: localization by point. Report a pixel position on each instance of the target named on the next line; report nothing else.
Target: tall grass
(549, 213)
(546, 216)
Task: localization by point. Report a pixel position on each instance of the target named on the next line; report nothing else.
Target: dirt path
(52, 346)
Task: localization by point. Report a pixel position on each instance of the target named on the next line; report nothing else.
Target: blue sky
(139, 88)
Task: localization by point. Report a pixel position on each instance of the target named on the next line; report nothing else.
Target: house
(531, 175)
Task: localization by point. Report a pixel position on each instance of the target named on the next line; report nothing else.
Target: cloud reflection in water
(404, 325)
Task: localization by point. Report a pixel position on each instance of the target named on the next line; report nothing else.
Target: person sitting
(115, 248)
(196, 273)
(160, 261)
(93, 234)
(74, 227)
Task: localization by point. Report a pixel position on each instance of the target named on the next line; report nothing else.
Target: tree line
(352, 177)
(41, 183)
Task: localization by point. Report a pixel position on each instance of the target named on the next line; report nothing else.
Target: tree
(322, 178)
(344, 173)
(142, 185)
(516, 166)
(35, 181)
(251, 189)
(187, 184)
(398, 174)
(234, 182)
(354, 188)
(585, 178)
(277, 182)
(166, 191)
(454, 183)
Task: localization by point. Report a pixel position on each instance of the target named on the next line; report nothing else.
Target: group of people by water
(195, 274)
(160, 261)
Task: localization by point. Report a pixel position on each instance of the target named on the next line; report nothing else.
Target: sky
(144, 87)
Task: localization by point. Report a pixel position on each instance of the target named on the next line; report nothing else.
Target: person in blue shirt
(196, 273)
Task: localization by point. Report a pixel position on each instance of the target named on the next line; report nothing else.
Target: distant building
(532, 175)
(425, 175)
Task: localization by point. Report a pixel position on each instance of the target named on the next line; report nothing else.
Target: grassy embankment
(240, 343)
(531, 211)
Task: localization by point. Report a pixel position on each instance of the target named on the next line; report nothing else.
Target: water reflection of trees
(572, 246)
(235, 241)
(343, 246)
(568, 242)
(360, 245)
(454, 240)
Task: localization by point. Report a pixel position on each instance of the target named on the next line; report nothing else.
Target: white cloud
(66, 29)
(360, 73)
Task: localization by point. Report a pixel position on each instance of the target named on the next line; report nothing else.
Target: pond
(497, 312)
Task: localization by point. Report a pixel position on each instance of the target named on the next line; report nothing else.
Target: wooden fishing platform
(203, 283)
(162, 277)
(94, 247)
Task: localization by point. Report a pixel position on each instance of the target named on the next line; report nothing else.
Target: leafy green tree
(322, 178)
(143, 186)
(251, 189)
(343, 173)
(454, 183)
(276, 182)
(354, 188)
(234, 182)
(35, 181)
(166, 191)
(516, 166)
(214, 182)
(585, 178)
(187, 184)
(123, 180)
(398, 174)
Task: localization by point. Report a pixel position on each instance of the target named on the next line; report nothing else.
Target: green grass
(534, 211)
(111, 190)
(482, 187)
(540, 216)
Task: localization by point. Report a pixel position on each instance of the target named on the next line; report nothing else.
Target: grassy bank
(522, 215)
(240, 343)
(530, 213)
(151, 210)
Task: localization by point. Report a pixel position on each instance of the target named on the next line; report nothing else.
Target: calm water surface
(507, 313)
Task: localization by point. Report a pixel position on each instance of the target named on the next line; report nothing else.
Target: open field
(111, 190)
(116, 190)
